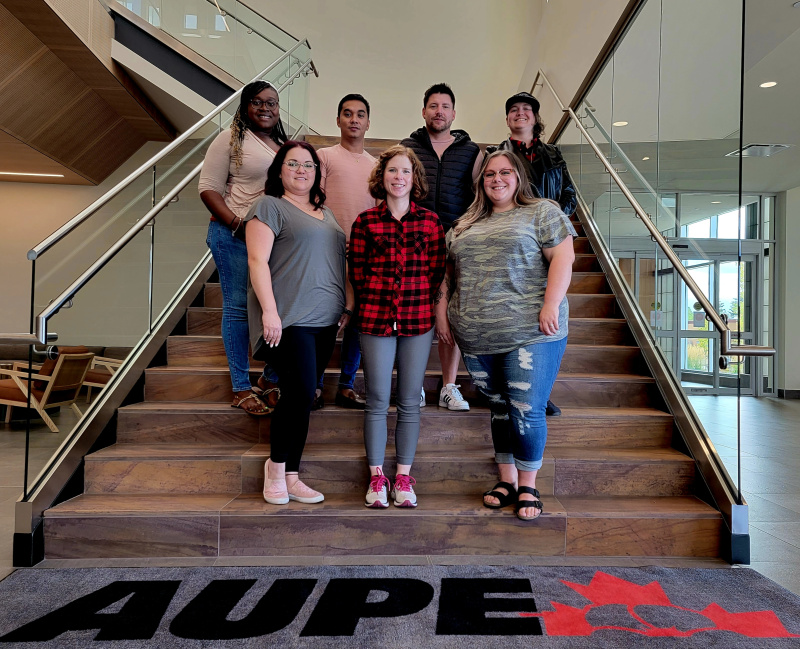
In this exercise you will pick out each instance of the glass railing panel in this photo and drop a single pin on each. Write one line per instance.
(68, 258)
(108, 316)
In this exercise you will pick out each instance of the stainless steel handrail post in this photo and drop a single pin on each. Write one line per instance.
(726, 349)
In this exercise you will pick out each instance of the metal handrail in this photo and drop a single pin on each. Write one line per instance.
(38, 250)
(54, 306)
(726, 349)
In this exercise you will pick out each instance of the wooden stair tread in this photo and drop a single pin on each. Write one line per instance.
(252, 504)
(201, 407)
(636, 506)
(613, 455)
(169, 451)
(217, 370)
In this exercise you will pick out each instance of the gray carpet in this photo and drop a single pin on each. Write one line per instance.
(436, 606)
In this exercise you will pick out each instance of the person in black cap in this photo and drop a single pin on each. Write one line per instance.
(546, 169)
(544, 166)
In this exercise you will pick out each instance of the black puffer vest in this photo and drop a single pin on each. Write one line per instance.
(450, 190)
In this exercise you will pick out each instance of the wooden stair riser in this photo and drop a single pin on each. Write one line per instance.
(245, 474)
(582, 282)
(591, 348)
(582, 393)
(670, 477)
(438, 426)
(582, 246)
(206, 321)
(586, 263)
(108, 537)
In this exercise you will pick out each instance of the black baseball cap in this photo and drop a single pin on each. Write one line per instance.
(525, 97)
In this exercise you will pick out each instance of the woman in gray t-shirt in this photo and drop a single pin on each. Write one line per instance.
(509, 266)
(296, 304)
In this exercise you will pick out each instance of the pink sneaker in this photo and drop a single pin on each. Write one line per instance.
(403, 491)
(376, 492)
(300, 492)
(275, 492)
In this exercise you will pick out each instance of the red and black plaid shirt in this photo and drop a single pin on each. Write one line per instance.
(395, 269)
(528, 152)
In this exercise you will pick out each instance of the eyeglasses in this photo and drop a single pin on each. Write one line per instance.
(294, 165)
(504, 173)
(258, 103)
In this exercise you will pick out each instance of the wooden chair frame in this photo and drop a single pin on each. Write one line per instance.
(55, 385)
(111, 364)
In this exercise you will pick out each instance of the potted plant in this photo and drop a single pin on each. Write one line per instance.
(698, 316)
(655, 314)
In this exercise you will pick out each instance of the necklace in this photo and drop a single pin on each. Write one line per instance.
(356, 156)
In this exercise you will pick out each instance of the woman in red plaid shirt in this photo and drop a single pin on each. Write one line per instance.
(397, 261)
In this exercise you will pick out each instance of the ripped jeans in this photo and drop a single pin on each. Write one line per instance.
(518, 385)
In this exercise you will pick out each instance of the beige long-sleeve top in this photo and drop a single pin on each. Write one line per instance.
(240, 187)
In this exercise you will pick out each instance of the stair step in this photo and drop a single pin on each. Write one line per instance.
(179, 383)
(582, 245)
(165, 422)
(207, 321)
(603, 351)
(582, 282)
(225, 525)
(585, 262)
(342, 468)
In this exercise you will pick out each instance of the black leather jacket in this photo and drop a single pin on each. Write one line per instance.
(548, 174)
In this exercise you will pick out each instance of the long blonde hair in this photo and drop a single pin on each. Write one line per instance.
(481, 207)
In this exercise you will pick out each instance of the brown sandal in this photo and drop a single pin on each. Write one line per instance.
(257, 407)
(271, 394)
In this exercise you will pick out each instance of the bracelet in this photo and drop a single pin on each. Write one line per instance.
(348, 312)
(241, 220)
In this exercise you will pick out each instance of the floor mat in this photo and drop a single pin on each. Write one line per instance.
(436, 606)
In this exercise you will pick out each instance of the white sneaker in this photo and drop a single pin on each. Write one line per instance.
(422, 403)
(377, 492)
(403, 491)
(450, 397)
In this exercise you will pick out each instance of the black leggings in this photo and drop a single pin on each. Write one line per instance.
(299, 359)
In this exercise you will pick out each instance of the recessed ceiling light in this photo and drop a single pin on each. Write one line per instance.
(620, 124)
(19, 173)
(647, 157)
(716, 202)
(768, 84)
(796, 5)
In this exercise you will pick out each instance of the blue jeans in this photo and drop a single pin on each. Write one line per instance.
(230, 256)
(349, 359)
(518, 385)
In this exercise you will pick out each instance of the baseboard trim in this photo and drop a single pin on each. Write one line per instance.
(788, 394)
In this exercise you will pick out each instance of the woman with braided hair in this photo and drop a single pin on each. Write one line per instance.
(233, 177)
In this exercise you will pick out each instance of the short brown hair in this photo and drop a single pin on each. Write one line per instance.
(376, 188)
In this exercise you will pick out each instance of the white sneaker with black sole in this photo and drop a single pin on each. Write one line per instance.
(422, 403)
(450, 397)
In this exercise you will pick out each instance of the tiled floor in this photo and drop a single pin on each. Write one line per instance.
(770, 480)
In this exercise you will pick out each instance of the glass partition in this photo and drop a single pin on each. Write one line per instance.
(665, 112)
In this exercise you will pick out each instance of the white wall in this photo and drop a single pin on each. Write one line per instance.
(570, 35)
(29, 213)
(392, 51)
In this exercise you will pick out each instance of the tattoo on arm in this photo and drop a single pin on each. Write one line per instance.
(440, 295)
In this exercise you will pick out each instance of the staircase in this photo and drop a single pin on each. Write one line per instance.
(185, 476)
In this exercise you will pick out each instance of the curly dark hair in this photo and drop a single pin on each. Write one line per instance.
(274, 185)
(375, 182)
(241, 122)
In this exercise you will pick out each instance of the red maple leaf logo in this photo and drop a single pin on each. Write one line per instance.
(605, 589)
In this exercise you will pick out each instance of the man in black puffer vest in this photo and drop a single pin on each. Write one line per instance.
(452, 162)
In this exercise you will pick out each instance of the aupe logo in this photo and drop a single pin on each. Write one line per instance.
(466, 606)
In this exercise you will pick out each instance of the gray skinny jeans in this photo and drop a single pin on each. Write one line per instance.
(378, 353)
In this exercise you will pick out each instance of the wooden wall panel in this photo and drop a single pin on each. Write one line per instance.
(63, 96)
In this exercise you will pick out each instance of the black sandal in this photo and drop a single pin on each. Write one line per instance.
(505, 499)
(522, 504)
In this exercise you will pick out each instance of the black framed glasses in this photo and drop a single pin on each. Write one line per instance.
(258, 103)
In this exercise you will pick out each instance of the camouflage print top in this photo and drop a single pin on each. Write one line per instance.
(501, 277)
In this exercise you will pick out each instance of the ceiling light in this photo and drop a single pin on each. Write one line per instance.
(647, 157)
(768, 84)
(20, 173)
(620, 124)
(715, 202)
(796, 5)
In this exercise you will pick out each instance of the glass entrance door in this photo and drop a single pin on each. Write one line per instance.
(730, 287)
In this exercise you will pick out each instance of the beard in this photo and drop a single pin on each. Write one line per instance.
(433, 127)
